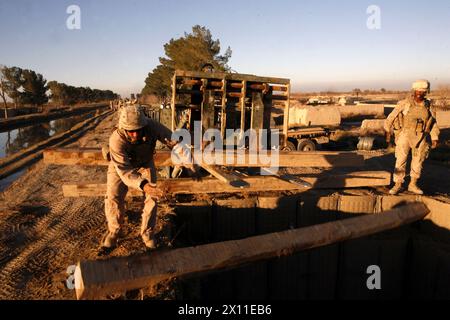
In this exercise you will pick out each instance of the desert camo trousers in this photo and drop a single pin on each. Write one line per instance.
(115, 204)
(405, 143)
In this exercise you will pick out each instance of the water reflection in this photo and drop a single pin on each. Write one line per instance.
(4, 183)
(15, 140)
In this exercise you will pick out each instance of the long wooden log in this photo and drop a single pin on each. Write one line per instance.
(320, 159)
(97, 278)
(255, 184)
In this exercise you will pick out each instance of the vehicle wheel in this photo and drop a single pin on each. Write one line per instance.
(306, 145)
(290, 146)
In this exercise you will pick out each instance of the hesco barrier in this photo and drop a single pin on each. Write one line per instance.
(414, 260)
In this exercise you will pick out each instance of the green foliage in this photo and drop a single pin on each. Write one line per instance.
(29, 87)
(34, 88)
(64, 94)
(189, 52)
(12, 82)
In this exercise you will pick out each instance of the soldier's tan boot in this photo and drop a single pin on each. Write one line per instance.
(414, 188)
(109, 240)
(396, 188)
(149, 240)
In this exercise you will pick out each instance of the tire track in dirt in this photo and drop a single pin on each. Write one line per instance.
(25, 205)
(62, 232)
(52, 230)
(42, 233)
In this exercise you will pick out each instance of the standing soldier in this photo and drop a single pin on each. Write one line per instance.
(131, 149)
(414, 123)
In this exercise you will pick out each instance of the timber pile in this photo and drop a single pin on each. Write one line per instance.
(232, 181)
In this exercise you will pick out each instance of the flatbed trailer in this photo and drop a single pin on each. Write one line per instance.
(308, 138)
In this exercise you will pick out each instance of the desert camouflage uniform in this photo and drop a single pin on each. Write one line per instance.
(131, 166)
(409, 120)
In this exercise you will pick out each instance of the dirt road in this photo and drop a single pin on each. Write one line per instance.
(42, 233)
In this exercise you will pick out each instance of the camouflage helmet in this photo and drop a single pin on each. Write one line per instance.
(207, 67)
(421, 85)
(132, 118)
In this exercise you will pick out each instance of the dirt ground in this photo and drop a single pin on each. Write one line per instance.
(42, 233)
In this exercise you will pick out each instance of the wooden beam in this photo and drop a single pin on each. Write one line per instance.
(229, 178)
(257, 112)
(286, 117)
(95, 279)
(223, 114)
(207, 108)
(289, 178)
(242, 109)
(173, 102)
(255, 184)
(320, 159)
(230, 76)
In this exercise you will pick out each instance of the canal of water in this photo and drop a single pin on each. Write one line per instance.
(18, 139)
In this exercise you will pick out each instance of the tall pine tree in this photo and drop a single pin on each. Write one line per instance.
(189, 52)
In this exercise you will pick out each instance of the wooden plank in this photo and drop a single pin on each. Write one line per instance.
(227, 177)
(207, 108)
(162, 158)
(286, 117)
(257, 113)
(97, 278)
(173, 102)
(223, 114)
(242, 109)
(256, 184)
(231, 76)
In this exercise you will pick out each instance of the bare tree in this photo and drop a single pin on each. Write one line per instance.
(3, 91)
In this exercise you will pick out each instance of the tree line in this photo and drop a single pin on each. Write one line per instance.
(26, 87)
(62, 93)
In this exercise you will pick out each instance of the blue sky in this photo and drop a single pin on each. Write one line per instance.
(319, 45)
